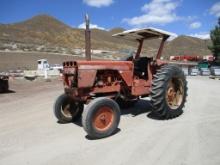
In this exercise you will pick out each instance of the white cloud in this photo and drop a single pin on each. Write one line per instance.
(92, 26)
(155, 12)
(202, 35)
(189, 18)
(98, 3)
(215, 9)
(172, 37)
(195, 25)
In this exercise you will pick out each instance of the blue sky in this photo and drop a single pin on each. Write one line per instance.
(188, 17)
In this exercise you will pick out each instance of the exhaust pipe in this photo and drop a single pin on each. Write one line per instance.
(87, 39)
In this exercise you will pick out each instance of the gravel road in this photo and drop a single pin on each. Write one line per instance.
(31, 135)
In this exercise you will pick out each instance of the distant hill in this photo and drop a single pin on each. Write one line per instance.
(47, 30)
(187, 45)
(42, 30)
(116, 30)
(45, 33)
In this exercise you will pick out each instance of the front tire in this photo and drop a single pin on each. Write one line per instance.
(101, 117)
(169, 91)
(66, 110)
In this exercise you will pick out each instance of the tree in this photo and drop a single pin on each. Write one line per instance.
(215, 37)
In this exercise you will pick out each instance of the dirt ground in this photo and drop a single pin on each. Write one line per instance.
(28, 60)
(30, 133)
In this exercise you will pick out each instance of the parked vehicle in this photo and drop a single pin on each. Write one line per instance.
(194, 71)
(203, 64)
(105, 85)
(43, 64)
(185, 71)
(204, 71)
(56, 66)
(215, 70)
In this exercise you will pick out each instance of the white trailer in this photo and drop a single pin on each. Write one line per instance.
(42, 64)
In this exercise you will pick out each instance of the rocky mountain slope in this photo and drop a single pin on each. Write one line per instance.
(45, 33)
(188, 45)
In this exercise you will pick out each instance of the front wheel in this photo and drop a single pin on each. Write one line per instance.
(169, 91)
(101, 117)
(67, 110)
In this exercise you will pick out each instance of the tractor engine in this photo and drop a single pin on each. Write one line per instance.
(106, 78)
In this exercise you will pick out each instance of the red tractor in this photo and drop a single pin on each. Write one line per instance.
(103, 85)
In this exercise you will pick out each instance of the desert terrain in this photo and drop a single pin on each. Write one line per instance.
(30, 134)
(28, 60)
(44, 33)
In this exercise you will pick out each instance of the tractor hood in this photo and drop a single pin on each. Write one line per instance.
(98, 64)
(85, 72)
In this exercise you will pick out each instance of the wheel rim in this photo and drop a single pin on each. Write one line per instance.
(103, 118)
(69, 110)
(175, 93)
(66, 111)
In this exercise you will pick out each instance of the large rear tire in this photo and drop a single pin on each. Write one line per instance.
(101, 117)
(67, 110)
(169, 91)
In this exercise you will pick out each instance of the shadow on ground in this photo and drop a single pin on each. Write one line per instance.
(141, 107)
(92, 138)
(7, 92)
